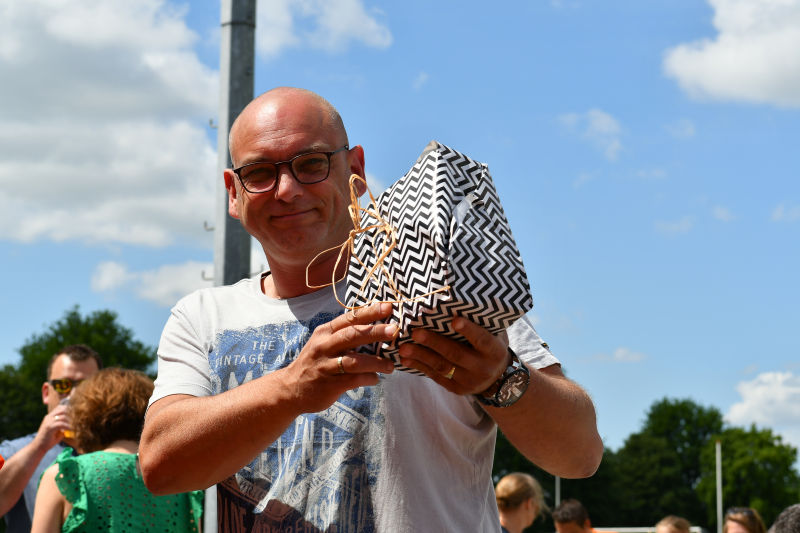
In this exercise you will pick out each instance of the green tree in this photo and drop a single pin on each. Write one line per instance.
(659, 467)
(21, 408)
(757, 471)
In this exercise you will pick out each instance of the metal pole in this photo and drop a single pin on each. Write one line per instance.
(236, 65)
(719, 486)
(231, 241)
(558, 491)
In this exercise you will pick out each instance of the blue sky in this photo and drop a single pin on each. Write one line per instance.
(645, 153)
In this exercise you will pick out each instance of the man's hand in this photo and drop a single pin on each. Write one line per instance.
(458, 367)
(182, 432)
(327, 366)
(51, 430)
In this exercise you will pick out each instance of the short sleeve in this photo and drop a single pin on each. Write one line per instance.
(69, 483)
(527, 344)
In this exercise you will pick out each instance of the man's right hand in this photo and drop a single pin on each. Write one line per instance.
(193, 442)
(316, 378)
(51, 430)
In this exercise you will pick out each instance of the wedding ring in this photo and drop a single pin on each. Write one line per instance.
(56, 417)
(341, 366)
(449, 375)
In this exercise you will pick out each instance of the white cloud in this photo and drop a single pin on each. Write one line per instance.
(622, 355)
(783, 213)
(103, 135)
(753, 57)
(420, 80)
(328, 25)
(598, 127)
(771, 399)
(582, 179)
(723, 214)
(682, 129)
(652, 174)
(675, 227)
(163, 286)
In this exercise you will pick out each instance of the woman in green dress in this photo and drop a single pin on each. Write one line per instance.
(101, 489)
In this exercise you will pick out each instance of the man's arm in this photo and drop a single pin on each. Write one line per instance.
(553, 424)
(20, 467)
(190, 443)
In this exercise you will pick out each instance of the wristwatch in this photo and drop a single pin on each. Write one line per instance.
(509, 387)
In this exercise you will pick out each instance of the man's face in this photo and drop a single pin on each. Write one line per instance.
(572, 527)
(293, 222)
(65, 367)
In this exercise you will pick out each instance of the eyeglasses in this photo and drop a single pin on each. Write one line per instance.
(65, 385)
(308, 168)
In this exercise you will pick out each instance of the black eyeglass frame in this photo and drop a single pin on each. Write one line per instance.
(71, 384)
(289, 162)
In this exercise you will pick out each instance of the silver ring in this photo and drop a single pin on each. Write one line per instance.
(341, 366)
(449, 375)
(56, 417)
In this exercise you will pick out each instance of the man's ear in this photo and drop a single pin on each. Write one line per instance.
(45, 392)
(587, 524)
(355, 159)
(233, 194)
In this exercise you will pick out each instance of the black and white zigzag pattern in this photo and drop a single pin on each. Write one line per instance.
(451, 230)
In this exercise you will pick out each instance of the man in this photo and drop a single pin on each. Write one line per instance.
(570, 516)
(27, 457)
(260, 391)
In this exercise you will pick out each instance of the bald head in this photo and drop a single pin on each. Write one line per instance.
(281, 106)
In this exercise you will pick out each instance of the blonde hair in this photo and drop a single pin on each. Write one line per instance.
(515, 488)
(675, 522)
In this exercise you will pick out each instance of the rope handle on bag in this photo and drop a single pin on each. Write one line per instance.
(386, 234)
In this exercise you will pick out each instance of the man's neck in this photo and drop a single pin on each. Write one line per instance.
(290, 281)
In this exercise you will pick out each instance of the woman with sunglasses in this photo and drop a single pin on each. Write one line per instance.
(743, 520)
(102, 489)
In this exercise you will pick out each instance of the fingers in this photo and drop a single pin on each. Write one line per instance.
(462, 368)
(357, 363)
(347, 332)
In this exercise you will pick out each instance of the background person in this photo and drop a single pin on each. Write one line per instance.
(101, 489)
(673, 524)
(743, 520)
(788, 521)
(28, 456)
(263, 376)
(520, 500)
(570, 516)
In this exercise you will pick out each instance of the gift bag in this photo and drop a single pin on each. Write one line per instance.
(452, 252)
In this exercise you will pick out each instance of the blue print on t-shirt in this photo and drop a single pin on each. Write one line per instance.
(317, 474)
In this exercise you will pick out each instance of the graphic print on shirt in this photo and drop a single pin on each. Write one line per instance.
(317, 475)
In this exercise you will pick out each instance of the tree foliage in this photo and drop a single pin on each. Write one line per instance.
(21, 408)
(668, 467)
(660, 465)
(757, 471)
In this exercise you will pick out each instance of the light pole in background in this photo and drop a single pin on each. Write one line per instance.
(231, 241)
(236, 66)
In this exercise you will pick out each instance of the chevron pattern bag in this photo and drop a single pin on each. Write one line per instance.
(452, 251)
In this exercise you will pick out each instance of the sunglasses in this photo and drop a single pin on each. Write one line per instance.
(747, 511)
(65, 385)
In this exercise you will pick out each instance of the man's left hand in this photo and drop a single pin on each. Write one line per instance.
(462, 368)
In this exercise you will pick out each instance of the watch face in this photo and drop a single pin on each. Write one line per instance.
(513, 387)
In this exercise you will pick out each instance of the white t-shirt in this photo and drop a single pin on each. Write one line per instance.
(404, 455)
